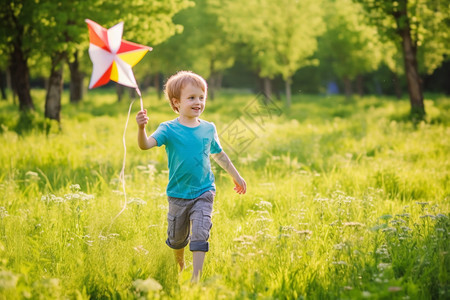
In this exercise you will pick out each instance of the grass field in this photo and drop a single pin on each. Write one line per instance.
(347, 199)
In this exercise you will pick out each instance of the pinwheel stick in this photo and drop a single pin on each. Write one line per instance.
(140, 97)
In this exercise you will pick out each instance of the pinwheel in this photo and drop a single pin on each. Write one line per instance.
(112, 57)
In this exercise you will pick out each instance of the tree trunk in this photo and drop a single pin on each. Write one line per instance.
(132, 92)
(267, 88)
(219, 80)
(214, 84)
(348, 87)
(54, 90)
(3, 84)
(360, 85)
(76, 80)
(157, 83)
(288, 92)
(20, 77)
(8, 79)
(397, 86)
(410, 59)
(413, 78)
(119, 92)
(211, 89)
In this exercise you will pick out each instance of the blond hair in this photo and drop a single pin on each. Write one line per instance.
(177, 82)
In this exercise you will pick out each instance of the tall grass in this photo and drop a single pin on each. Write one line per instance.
(346, 199)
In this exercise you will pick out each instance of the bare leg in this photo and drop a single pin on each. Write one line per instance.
(198, 257)
(179, 257)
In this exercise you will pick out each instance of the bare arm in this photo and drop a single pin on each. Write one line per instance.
(224, 161)
(144, 142)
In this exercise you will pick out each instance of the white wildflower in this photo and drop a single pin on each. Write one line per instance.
(8, 280)
(397, 221)
(366, 294)
(75, 187)
(264, 205)
(117, 192)
(287, 228)
(404, 215)
(52, 198)
(263, 219)
(147, 285)
(427, 216)
(353, 224)
(383, 266)
(304, 232)
(141, 249)
(341, 263)
(389, 229)
(32, 176)
(137, 201)
(3, 212)
(245, 239)
(339, 246)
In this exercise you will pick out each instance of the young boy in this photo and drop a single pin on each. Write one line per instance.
(189, 142)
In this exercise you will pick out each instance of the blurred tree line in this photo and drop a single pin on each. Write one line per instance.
(278, 47)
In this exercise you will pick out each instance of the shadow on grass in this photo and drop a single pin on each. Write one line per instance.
(29, 122)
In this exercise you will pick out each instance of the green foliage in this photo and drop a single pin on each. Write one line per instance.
(351, 45)
(205, 47)
(281, 39)
(346, 199)
(148, 23)
(429, 22)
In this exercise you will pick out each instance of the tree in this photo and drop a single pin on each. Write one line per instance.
(412, 25)
(56, 29)
(3, 74)
(350, 45)
(59, 36)
(205, 47)
(17, 38)
(281, 36)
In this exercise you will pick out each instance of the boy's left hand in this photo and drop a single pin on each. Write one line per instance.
(240, 185)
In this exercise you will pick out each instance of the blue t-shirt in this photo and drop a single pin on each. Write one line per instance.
(188, 150)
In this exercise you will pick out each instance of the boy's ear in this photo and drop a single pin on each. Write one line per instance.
(175, 101)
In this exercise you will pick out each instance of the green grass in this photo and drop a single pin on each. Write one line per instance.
(347, 199)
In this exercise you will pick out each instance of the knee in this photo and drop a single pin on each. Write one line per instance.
(201, 226)
(177, 232)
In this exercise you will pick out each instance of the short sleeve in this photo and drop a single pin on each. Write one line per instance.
(160, 134)
(215, 144)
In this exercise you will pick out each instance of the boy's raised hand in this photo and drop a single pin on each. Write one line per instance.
(240, 185)
(142, 118)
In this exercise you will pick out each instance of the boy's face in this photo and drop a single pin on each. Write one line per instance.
(192, 101)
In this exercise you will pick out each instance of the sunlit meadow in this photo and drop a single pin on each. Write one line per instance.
(347, 198)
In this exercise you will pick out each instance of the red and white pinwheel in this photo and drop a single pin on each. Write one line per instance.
(113, 57)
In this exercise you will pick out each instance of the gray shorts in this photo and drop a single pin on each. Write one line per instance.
(184, 211)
